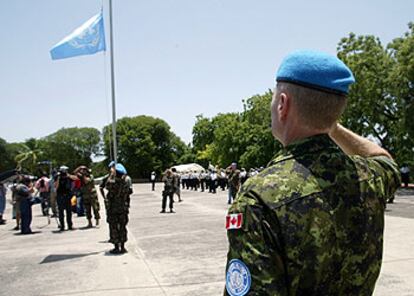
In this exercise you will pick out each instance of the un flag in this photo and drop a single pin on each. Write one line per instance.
(87, 39)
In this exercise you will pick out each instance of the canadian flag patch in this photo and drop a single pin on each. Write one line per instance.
(234, 221)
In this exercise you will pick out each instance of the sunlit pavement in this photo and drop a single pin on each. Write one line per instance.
(182, 253)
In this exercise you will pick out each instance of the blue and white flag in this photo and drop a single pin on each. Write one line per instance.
(87, 39)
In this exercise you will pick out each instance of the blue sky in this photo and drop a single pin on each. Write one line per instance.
(174, 59)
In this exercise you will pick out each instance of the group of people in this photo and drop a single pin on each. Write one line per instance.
(230, 178)
(61, 194)
(66, 192)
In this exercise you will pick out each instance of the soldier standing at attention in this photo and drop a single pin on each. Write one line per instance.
(118, 208)
(312, 222)
(168, 191)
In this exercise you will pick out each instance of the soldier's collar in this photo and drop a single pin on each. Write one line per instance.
(308, 145)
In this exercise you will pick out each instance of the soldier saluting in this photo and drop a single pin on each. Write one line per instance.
(117, 207)
(312, 222)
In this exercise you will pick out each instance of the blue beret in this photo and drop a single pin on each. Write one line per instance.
(111, 164)
(120, 169)
(315, 69)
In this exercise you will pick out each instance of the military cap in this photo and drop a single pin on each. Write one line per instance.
(120, 169)
(317, 70)
(111, 164)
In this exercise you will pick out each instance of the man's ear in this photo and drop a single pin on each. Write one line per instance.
(283, 106)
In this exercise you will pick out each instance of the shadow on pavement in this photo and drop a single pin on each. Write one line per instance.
(55, 258)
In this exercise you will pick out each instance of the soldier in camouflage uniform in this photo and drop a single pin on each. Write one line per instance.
(89, 197)
(312, 222)
(118, 208)
(168, 191)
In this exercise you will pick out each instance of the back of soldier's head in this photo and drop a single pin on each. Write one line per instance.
(316, 109)
(317, 84)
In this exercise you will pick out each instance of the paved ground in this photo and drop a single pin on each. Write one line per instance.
(169, 254)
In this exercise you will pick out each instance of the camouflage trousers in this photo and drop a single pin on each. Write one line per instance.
(117, 228)
(91, 204)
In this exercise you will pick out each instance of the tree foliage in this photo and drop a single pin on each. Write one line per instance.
(242, 137)
(380, 103)
(68, 146)
(145, 144)
(7, 155)
(72, 146)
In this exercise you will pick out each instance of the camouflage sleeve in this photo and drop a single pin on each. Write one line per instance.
(103, 182)
(110, 183)
(387, 174)
(255, 260)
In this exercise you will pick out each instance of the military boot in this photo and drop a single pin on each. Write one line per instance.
(123, 250)
(89, 223)
(115, 250)
(97, 222)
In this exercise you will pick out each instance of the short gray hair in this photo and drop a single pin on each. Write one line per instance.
(316, 109)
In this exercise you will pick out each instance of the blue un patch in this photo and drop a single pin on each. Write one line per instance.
(238, 278)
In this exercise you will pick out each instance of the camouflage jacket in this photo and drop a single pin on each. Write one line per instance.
(117, 199)
(234, 180)
(88, 190)
(168, 183)
(312, 223)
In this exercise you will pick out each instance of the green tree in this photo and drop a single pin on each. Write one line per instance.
(71, 146)
(203, 133)
(244, 137)
(380, 103)
(262, 146)
(401, 81)
(229, 140)
(371, 110)
(145, 144)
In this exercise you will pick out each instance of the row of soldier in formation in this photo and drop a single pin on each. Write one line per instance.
(65, 192)
(230, 178)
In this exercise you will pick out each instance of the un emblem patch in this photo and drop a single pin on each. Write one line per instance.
(238, 278)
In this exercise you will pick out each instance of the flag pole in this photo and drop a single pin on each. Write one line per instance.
(112, 83)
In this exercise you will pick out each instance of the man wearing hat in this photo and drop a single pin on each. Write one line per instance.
(312, 222)
(118, 207)
(63, 185)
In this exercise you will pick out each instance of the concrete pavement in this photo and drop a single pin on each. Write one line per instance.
(169, 254)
